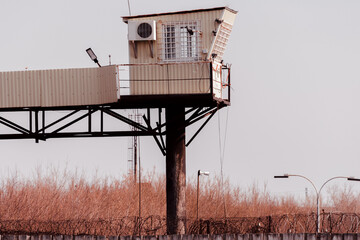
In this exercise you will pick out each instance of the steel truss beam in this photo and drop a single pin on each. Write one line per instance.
(39, 129)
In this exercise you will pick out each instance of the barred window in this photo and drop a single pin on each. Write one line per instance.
(181, 41)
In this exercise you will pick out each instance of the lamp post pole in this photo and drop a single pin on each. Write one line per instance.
(197, 192)
(317, 192)
(197, 196)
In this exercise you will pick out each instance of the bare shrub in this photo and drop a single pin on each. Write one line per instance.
(64, 202)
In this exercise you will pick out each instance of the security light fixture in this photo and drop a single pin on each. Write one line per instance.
(353, 179)
(189, 30)
(197, 192)
(219, 21)
(93, 56)
(203, 173)
(282, 176)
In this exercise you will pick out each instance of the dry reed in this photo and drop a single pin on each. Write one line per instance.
(59, 196)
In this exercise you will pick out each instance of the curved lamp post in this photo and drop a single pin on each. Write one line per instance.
(197, 193)
(317, 192)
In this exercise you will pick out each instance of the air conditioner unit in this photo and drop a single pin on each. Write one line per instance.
(142, 30)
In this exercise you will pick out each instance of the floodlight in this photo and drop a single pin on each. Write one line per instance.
(189, 30)
(92, 55)
(199, 173)
(203, 173)
(282, 176)
(353, 179)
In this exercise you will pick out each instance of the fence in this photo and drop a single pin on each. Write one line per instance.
(262, 236)
(155, 225)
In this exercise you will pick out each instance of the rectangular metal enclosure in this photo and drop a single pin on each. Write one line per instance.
(185, 56)
(60, 87)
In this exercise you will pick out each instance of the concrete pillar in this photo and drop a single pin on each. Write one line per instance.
(175, 170)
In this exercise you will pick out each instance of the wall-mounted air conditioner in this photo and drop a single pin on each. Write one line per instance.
(142, 30)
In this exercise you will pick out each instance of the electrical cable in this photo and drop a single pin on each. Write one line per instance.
(222, 156)
(139, 185)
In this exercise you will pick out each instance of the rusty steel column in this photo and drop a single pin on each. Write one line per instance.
(175, 170)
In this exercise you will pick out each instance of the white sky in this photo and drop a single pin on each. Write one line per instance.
(295, 78)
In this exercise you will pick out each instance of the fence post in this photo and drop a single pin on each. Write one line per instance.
(269, 224)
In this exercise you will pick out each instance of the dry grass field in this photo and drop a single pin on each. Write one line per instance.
(64, 196)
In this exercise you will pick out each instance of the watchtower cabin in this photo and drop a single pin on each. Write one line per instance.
(180, 54)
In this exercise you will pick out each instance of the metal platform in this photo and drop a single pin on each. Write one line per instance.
(39, 128)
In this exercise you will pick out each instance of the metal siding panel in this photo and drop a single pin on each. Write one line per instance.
(17, 90)
(146, 84)
(83, 86)
(2, 92)
(61, 87)
(179, 78)
(107, 87)
(91, 79)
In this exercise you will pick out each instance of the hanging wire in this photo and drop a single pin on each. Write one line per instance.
(139, 187)
(222, 156)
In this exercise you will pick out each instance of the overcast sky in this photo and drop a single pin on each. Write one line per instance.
(295, 79)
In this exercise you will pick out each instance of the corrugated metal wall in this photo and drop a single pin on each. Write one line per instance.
(20, 89)
(177, 78)
(61, 87)
(206, 19)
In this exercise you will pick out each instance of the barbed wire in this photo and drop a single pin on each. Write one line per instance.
(156, 225)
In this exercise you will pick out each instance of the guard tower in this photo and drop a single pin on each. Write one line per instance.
(178, 57)
(175, 64)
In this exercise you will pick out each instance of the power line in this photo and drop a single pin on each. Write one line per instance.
(222, 156)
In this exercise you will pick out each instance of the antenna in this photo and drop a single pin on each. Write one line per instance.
(133, 148)
(129, 7)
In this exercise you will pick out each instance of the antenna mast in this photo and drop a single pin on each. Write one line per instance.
(129, 7)
(133, 145)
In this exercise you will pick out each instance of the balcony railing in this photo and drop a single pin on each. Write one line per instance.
(175, 78)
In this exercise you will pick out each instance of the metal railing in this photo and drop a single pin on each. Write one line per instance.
(174, 78)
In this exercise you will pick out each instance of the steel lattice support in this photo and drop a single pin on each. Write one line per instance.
(40, 128)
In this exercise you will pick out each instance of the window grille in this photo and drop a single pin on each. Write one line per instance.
(181, 42)
(222, 39)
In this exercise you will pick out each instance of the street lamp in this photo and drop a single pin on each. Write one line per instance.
(92, 55)
(197, 194)
(317, 192)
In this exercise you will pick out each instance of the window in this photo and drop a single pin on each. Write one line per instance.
(181, 41)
